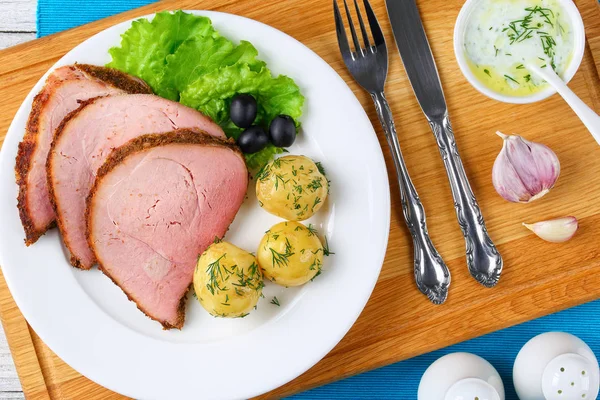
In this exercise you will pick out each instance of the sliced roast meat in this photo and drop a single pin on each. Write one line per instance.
(156, 204)
(64, 89)
(84, 140)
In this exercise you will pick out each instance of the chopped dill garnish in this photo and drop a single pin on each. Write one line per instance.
(215, 272)
(264, 173)
(251, 280)
(511, 78)
(275, 301)
(317, 274)
(282, 259)
(320, 168)
(226, 300)
(277, 162)
(317, 201)
(315, 264)
(520, 66)
(487, 72)
(326, 251)
(288, 246)
(530, 26)
(311, 230)
(278, 178)
(315, 184)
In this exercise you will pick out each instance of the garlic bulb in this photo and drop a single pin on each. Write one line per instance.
(524, 170)
(555, 230)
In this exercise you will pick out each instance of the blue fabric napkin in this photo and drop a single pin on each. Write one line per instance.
(58, 15)
(398, 381)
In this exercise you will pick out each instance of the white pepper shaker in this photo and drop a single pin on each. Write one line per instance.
(556, 366)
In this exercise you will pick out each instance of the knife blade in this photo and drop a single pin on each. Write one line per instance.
(416, 55)
(483, 259)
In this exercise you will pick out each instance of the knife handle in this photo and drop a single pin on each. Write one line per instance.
(484, 262)
(431, 273)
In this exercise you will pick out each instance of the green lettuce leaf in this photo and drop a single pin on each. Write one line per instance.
(145, 46)
(212, 93)
(183, 58)
(256, 161)
(198, 56)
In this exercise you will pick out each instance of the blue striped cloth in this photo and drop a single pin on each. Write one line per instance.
(401, 380)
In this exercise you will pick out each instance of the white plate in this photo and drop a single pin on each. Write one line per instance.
(88, 322)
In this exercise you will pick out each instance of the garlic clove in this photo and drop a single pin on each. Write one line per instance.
(555, 230)
(524, 171)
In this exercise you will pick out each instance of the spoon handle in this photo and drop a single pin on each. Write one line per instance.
(484, 262)
(590, 119)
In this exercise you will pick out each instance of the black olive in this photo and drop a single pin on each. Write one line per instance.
(253, 139)
(243, 110)
(282, 131)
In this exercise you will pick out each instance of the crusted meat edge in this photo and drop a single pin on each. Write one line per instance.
(119, 79)
(117, 156)
(50, 174)
(28, 145)
(23, 163)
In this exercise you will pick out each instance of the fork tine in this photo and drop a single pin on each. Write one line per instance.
(341, 32)
(375, 28)
(352, 30)
(362, 26)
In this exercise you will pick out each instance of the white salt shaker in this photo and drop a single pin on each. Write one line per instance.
(461, 376)
(556, 366)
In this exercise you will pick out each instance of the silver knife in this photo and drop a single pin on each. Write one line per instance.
(484, 262)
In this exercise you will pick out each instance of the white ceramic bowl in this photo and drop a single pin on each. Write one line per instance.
(578, 42)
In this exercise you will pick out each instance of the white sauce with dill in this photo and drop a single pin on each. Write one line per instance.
(503, 36)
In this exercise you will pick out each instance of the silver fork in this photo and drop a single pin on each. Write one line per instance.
(368, 65)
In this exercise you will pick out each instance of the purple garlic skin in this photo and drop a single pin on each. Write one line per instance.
(524, 171)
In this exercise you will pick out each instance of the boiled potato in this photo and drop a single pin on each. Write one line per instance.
(227, 280)
(290, 254)
(292, 187)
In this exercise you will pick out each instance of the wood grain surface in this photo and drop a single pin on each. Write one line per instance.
(398, 322)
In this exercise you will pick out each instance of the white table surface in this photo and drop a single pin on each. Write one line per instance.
(17, 25)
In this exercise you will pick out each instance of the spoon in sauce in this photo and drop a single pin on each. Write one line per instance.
(590, 119)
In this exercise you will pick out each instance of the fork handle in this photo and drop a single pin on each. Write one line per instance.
(484, 262)
(431, 273)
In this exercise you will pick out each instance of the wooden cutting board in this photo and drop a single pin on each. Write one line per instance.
(398, 322)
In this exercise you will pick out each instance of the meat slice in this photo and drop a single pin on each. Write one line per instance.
(64, 89)
(156, 204)
(85, 139)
